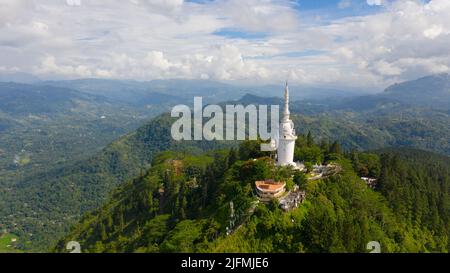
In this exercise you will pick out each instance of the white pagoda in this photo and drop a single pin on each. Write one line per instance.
(287, 137)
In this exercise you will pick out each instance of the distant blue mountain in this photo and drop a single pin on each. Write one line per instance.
(183, 91)
(19, 77)
(431, 91)
(24, 99)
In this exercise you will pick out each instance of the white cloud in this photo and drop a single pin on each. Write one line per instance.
(7, 70)
(74, 2)
(386, 69)
(374, 2)
(156, 39)
(163, 6)
(10, 9)
(433, 32)
(49, 66)
(257, 15)
(156, 59)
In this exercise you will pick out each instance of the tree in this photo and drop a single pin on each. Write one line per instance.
(232, 156)
(254, 170)
(121, 219)
(283, 173)
(103, 234)
(335, 148)
(324, 145)
(367, 164)
(309, 154)
(300, 180)
(98, 248)
(251, 149)
(182, 202)
(110, 224)
(309, 140)
(182, 237)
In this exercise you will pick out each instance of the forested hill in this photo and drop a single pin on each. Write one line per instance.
(182, 204)
(47, 203)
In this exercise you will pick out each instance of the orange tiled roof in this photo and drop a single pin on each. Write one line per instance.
(269, 186)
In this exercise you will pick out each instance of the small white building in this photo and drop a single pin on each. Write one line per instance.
(370, 182)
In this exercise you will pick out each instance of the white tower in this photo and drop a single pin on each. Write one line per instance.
(286, 145)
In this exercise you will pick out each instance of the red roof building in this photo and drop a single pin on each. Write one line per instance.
(269, 189)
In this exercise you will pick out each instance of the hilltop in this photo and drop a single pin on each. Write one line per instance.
(182, 204)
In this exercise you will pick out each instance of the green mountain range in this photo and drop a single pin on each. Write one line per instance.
(41, 204)
(43, 127)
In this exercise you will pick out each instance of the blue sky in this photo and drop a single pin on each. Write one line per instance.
(332, 9)
(339, 43)
(318, 12)
(325, 4)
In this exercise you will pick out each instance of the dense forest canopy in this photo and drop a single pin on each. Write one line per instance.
(182, 204)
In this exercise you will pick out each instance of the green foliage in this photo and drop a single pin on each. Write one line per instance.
(366, 164)
(7, 243)
(306, 150)
(335, 148)
(183, 237)
(416, 185)
(253, 170)
(300, 180)
(283, 173)
(308, 166)
(251, 149)
(53, 167)
(165, 211)
(54, 200)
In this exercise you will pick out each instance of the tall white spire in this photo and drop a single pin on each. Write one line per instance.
(286, 113)
(286, 145)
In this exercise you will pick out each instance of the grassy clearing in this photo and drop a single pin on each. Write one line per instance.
(6, 243)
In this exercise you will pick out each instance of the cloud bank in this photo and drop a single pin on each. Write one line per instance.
(252, 41)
